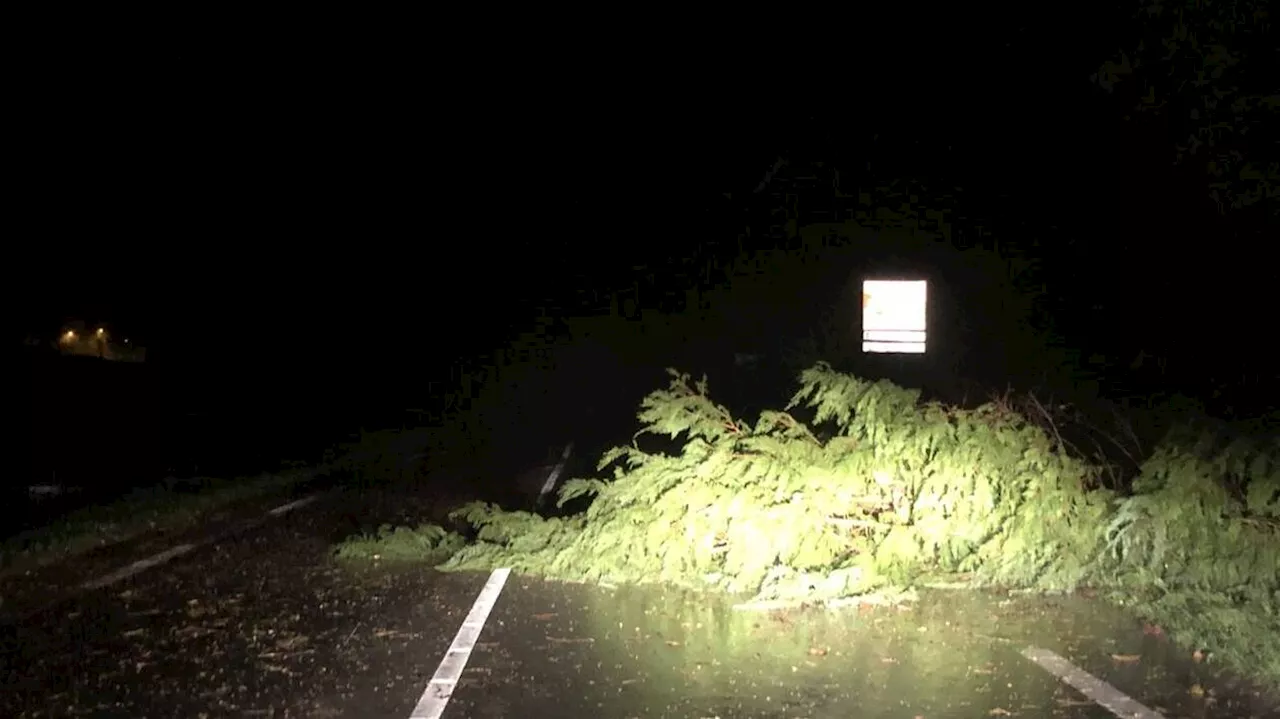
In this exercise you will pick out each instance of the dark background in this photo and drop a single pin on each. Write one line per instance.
(312, 231)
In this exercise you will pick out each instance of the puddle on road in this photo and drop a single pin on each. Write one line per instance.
(650, 651)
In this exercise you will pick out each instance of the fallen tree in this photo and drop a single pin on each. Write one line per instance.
(903, 493)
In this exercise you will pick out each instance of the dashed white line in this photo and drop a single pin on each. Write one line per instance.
(293, 505)
(161, 557)
(436, 696)
(1102, 693)
(139, 566)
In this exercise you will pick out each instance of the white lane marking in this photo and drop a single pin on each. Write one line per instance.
(161, 557)
(1102, 693)
(139, 566)
(436, 696)
(293, 505)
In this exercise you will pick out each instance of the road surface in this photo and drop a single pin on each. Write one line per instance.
(263, 622)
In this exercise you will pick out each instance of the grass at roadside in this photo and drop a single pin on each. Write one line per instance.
(139, 512)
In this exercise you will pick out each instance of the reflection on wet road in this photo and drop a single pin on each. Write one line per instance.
(563, 650)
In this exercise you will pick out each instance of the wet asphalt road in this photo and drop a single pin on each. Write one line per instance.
(266, 624)
(562, 650)
(263, 624)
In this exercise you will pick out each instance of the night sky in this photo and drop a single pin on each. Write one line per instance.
(389, 206)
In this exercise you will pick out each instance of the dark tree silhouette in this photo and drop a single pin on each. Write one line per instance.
(1205, 74)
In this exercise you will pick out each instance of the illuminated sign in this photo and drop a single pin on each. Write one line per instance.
(893, 316)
